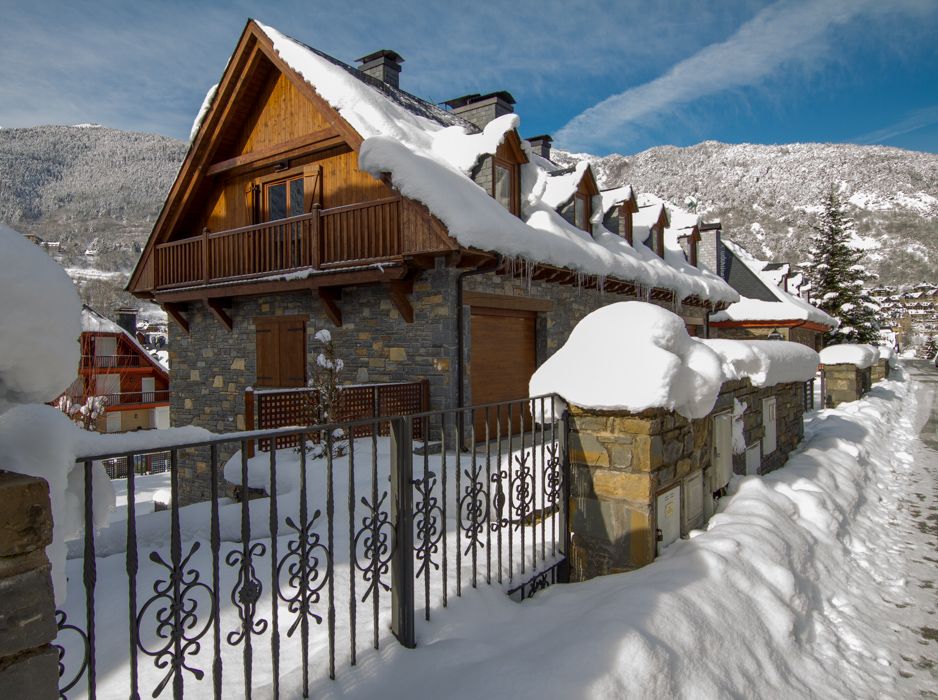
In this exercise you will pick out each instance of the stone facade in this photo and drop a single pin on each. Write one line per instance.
(28, 662)
(845, 382)
(212, 366)
(811, 339)
(621, 462)
(879, 371)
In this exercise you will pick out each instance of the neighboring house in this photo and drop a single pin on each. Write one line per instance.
(114, 365)
(767, 307)
(435, 244)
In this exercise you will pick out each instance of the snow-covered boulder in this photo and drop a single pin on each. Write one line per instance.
(40, 324)
(862, 356)
(765, 362)
(632, 356)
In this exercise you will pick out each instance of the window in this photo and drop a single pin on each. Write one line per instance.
(505, 186)
(281, 351)
(283, 199)
(581, 212)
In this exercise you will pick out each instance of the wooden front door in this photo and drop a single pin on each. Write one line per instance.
(502, 360)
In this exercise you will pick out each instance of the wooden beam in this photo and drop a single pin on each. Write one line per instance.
(400, 291)
(300, 146)
(215, 305)
(175, 312)
(329, 296)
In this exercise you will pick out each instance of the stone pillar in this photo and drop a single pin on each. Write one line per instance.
(843, 383)
(619, 463)
(879, 371)
(28, 662)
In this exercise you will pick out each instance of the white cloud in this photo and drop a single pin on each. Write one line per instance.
(913, 121)
(786, 33)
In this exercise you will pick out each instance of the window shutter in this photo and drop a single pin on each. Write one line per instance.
(293, 353)
(252, 202)
(267, 362)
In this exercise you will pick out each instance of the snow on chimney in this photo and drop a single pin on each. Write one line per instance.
(385, 65)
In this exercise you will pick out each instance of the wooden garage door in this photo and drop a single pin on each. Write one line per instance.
(502, 360)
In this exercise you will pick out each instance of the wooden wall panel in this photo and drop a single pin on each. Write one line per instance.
(281, 114)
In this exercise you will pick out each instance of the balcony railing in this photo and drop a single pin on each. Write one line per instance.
(325, 238)
(111, 361)
(127, 398)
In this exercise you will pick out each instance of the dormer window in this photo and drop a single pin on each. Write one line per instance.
(505, 189)
(581, 212)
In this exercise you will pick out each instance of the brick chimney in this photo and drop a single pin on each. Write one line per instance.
(127, 319)
(709, 251)
(541, 145)
(385, 65)
(481, 109)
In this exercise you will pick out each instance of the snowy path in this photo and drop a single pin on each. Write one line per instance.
(814, 581)
(919, 527)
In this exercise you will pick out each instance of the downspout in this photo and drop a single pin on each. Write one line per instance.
(460, 339)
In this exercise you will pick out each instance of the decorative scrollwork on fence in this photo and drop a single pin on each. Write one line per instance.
(522, 491)
(474, 508)
(176, 603)
(553, 477)
(373, 542)
(308, 566)
(428, 514)
(499, 500)
(246, 592)
(62, 624)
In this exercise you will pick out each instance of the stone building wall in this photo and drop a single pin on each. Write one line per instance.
(845, 382)
(811, 339)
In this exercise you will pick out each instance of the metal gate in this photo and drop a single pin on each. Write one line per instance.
(348, 539)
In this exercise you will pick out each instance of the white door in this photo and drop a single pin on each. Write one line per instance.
(693, 500)
(769, 441)
(668, 515)
(722, 449)
(105, 346)
(753, 458)
(108, 385)
(148, 388)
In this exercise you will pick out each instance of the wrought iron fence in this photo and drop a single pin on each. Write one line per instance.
(151, 463)
(353, 537)
(808, 400)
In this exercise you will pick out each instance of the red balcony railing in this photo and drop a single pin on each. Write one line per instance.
(111, 361)
(323, 238)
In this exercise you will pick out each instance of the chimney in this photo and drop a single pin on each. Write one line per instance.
(127, 319)
(541, 145)
(481, 109)
(709, 253)
(384, 65)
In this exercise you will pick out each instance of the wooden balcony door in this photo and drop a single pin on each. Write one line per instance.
(284, 199)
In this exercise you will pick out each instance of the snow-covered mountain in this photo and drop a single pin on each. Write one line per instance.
(767, 195)
(96, 191)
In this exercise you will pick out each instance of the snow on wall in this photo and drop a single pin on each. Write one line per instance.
(862, 356)
(40, 322)
(632, 356)
(765, 362)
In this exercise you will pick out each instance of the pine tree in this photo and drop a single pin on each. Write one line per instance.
(837, 277)
(930, 349)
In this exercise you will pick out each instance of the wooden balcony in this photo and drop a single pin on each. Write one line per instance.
(324, 239)
(105, 362)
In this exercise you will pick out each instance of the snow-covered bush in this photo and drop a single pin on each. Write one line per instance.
(86, 414)
(325, 380)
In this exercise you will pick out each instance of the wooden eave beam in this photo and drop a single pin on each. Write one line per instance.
(330, 297)
(308, 144)
(175, 312)
(217, 308)
(400, 291)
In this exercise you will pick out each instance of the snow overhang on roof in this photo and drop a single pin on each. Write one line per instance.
(430, 162)
(786, 307)
(607, 199)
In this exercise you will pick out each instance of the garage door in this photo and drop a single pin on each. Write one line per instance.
(502, 360)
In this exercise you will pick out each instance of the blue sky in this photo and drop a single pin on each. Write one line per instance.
(600, 76)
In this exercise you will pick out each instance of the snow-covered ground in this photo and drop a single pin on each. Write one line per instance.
(800, 586)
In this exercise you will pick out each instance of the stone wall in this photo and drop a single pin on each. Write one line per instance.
(212, 366)
(618, 463)
(844, 382)
(621, 462)
(28, 662)
(879, 371)
(811, 339)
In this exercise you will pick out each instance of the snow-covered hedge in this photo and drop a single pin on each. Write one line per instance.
(632, 356)
(862, 356)
(765, 362)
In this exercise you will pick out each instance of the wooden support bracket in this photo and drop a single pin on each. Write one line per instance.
(175, 311)
(400, 291)
(330, 296)
(215, 305)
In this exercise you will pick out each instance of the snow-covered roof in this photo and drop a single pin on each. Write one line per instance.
(429, 159)
(614, 197)
(93, 322)
(786, 307)
(562, 184)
